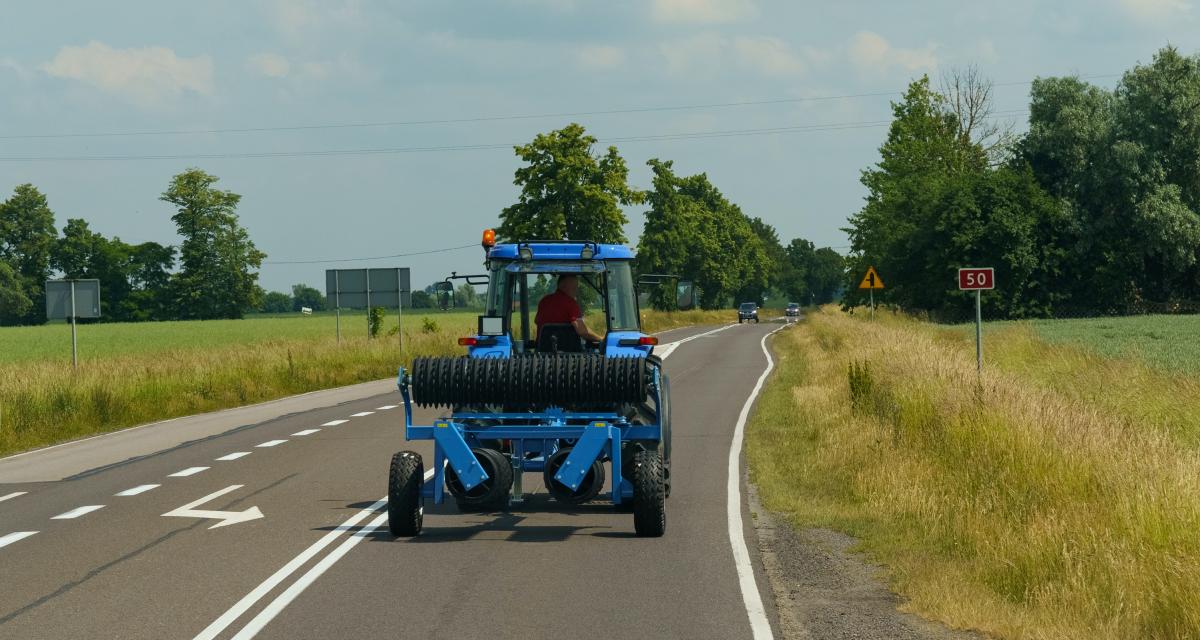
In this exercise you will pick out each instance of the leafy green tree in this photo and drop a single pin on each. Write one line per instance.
(276, 302)
(14, 303)
(567, 192)
(826, 276)
(83, 253)
(26, 240)
(465, 296)
(219, 277)
(306, 296)
(422, 300)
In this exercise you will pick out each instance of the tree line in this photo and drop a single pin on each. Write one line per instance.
(691, 228)
(1094, 210)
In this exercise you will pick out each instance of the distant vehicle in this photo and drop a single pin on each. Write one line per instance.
(793, 310)
(748, 311)
(306, 311)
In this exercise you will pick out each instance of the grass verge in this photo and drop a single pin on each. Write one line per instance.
(1058, 497)
(183, 368)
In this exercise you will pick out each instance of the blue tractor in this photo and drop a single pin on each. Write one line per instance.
(550, 403)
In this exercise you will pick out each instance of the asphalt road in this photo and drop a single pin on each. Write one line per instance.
(129, 550)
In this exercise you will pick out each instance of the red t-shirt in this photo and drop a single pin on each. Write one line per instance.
(557, 308)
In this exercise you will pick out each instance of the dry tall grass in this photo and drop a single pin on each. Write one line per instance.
(1058, 497)
(44, 402)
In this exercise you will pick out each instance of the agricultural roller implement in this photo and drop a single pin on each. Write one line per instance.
(592, 418)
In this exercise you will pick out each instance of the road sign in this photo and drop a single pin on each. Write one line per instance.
(71, 299)
(366, 288)
(976, 278)
(871, 280)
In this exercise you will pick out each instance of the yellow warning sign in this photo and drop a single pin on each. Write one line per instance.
(871, 280)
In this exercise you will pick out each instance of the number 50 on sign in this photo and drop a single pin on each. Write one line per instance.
(976, 278)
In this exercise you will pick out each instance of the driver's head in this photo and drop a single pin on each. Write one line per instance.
(568, 283)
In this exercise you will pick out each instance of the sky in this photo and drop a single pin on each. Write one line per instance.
(423, 101)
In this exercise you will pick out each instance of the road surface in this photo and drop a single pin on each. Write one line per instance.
(273, 527)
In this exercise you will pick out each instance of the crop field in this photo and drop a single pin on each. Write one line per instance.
(1169, 342)
(135, 373)
(1055, 496)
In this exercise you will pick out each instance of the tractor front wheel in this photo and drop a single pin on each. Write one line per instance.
(649, 495)
(406, 513)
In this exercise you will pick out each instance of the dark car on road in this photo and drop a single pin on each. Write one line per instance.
(793, 310)
(747, 311)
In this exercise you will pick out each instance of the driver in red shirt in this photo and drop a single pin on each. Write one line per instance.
(560, 307)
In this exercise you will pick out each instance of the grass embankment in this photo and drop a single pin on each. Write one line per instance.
(131, 374)
(1060, 498)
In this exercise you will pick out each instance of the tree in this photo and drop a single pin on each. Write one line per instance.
(14, 303)
(306, 296)
(465, 296)
(568, 193)
(219, 277)
(776, 260)
(26, 239)
(276, 302)
(422, 300)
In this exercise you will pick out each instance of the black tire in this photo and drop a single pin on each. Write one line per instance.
(406, 511)
(649, 495)
(491, 493)
(592, 483)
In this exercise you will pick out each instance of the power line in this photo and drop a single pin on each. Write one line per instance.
(692, 135)
(477, 119)
(396, 255)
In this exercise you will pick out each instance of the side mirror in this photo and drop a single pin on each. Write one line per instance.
(685, 295)
(445, 295)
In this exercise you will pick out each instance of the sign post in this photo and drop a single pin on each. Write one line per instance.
(977, 279)
(72, 299)
(871, 282)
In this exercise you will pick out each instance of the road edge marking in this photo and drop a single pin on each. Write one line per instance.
(751, 597)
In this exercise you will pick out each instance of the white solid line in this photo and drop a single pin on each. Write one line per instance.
(190, 471)
(233, 456)
(334, 423)
(270, 443)
(759, 624)
(78, 511)
(250, 599)
(670, 347)
(138, 489)
(361, 414)
(306, 432)
(386, 407)
(15, 494)
(280, 603)
(13, 537)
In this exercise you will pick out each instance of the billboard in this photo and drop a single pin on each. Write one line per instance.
(353, 288)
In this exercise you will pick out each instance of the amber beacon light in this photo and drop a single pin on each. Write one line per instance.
(489, 238)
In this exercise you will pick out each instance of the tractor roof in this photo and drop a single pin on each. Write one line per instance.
(561, 250)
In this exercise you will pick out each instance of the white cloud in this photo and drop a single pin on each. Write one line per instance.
(771, 56)
(1157, 11)
(701, 51)
(146, 76)
(872, 52)
(271, 65)
(765, 55)
(296, 18)
(703, 11)
(16, 67)
(600, 57)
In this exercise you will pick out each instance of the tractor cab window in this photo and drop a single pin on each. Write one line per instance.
(622, 298)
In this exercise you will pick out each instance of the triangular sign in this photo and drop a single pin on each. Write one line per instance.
(871, 280)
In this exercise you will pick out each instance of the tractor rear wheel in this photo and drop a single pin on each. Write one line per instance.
(592, 483)
(489, 494)
(406, 513)
(649, 495)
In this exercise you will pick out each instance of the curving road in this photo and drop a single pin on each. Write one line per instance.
(268, 522)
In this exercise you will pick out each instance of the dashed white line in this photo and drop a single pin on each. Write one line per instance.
(13, 537)
(138, 489)
(361, 414)
(306, 432)
(15, 494)
(78, 511)
(233, 456)
(270, 443)
(386, 407)
(190, 471)
(334, 423)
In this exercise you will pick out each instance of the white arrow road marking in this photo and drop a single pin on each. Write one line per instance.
(670, 347)
(334, 423)
(361, 414)
(270, 443)
(15, 494)
(226, 518)
(138, 489)
(386, 407)
(190, 471)
(306, 432)
(233, 456)
(78, 511)
(13, 537)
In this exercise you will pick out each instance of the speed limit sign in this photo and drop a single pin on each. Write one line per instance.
(976, 278)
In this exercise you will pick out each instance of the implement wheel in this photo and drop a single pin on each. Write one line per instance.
(649, 495)
(592, 483)
(406, 513)
(489, 494)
